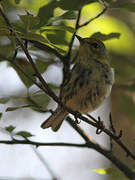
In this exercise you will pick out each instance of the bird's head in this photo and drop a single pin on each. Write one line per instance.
(94, 48)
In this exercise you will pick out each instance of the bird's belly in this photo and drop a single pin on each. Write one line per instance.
(89, 98)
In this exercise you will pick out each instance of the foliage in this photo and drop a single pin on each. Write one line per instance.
(47, 28)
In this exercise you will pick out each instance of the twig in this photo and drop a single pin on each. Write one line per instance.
(89, 144)
(43, 161)
(114, 137)
(26, 142)
(92, 144)
(73, 37)
(92, 19)
(67, 58)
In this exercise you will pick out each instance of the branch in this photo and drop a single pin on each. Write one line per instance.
(92, 144)
(73, 37)
(67, 58)
(89, 143)
(44, 162)
(28, 142)
(89, 21)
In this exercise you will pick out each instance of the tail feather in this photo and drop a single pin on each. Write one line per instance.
(55, 120)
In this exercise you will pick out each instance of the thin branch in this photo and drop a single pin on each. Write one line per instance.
(109, 133)
(92, 19)
(92, 144)
(44, 162)
(73, 37)
(67, 58)
(28, 142)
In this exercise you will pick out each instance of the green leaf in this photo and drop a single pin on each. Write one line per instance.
(4, 31)
(3, 23)
(42, 66)
(11, 109)
(4, 100)
(128, 6)
(10, 128)
(57, 28)
(104, 37)
(69, 15)
(39, 102)
(16, 108)
(0, 115)
(46, 12)
(24, 134)
(7, 48)
(33, 36)
(29, 21)
(17, 1)
(27, 68)
(73, 4)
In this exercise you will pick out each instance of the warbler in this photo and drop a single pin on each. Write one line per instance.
(90, 84)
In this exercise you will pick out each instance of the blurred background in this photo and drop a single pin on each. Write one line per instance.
(52, 23)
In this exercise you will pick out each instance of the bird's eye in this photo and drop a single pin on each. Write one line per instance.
(95, 45)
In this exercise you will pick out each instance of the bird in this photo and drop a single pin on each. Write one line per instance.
(90, 82)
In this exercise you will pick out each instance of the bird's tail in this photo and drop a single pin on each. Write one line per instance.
(55, 120)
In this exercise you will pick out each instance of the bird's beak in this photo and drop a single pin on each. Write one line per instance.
(79, 38)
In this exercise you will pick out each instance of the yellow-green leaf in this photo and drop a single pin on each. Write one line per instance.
(24, 134)
(10, 128)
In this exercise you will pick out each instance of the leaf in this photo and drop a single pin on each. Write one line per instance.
(100, 171)
(7, 48)
(57, 28)
(104, 37)
(4, 31)
(3, 23)
(24, 134)
(17, 1)
(73, 4)
(46, 12)
(58, 39)
(0, 115)
(29, 21)
(10, 128)
(33, 36)
(4, 100)
(69, 15)
(16, 108)
(39, 102)
(128, 6)
(42, 66)
(112, 173)
(27, 68)
(11, 109)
